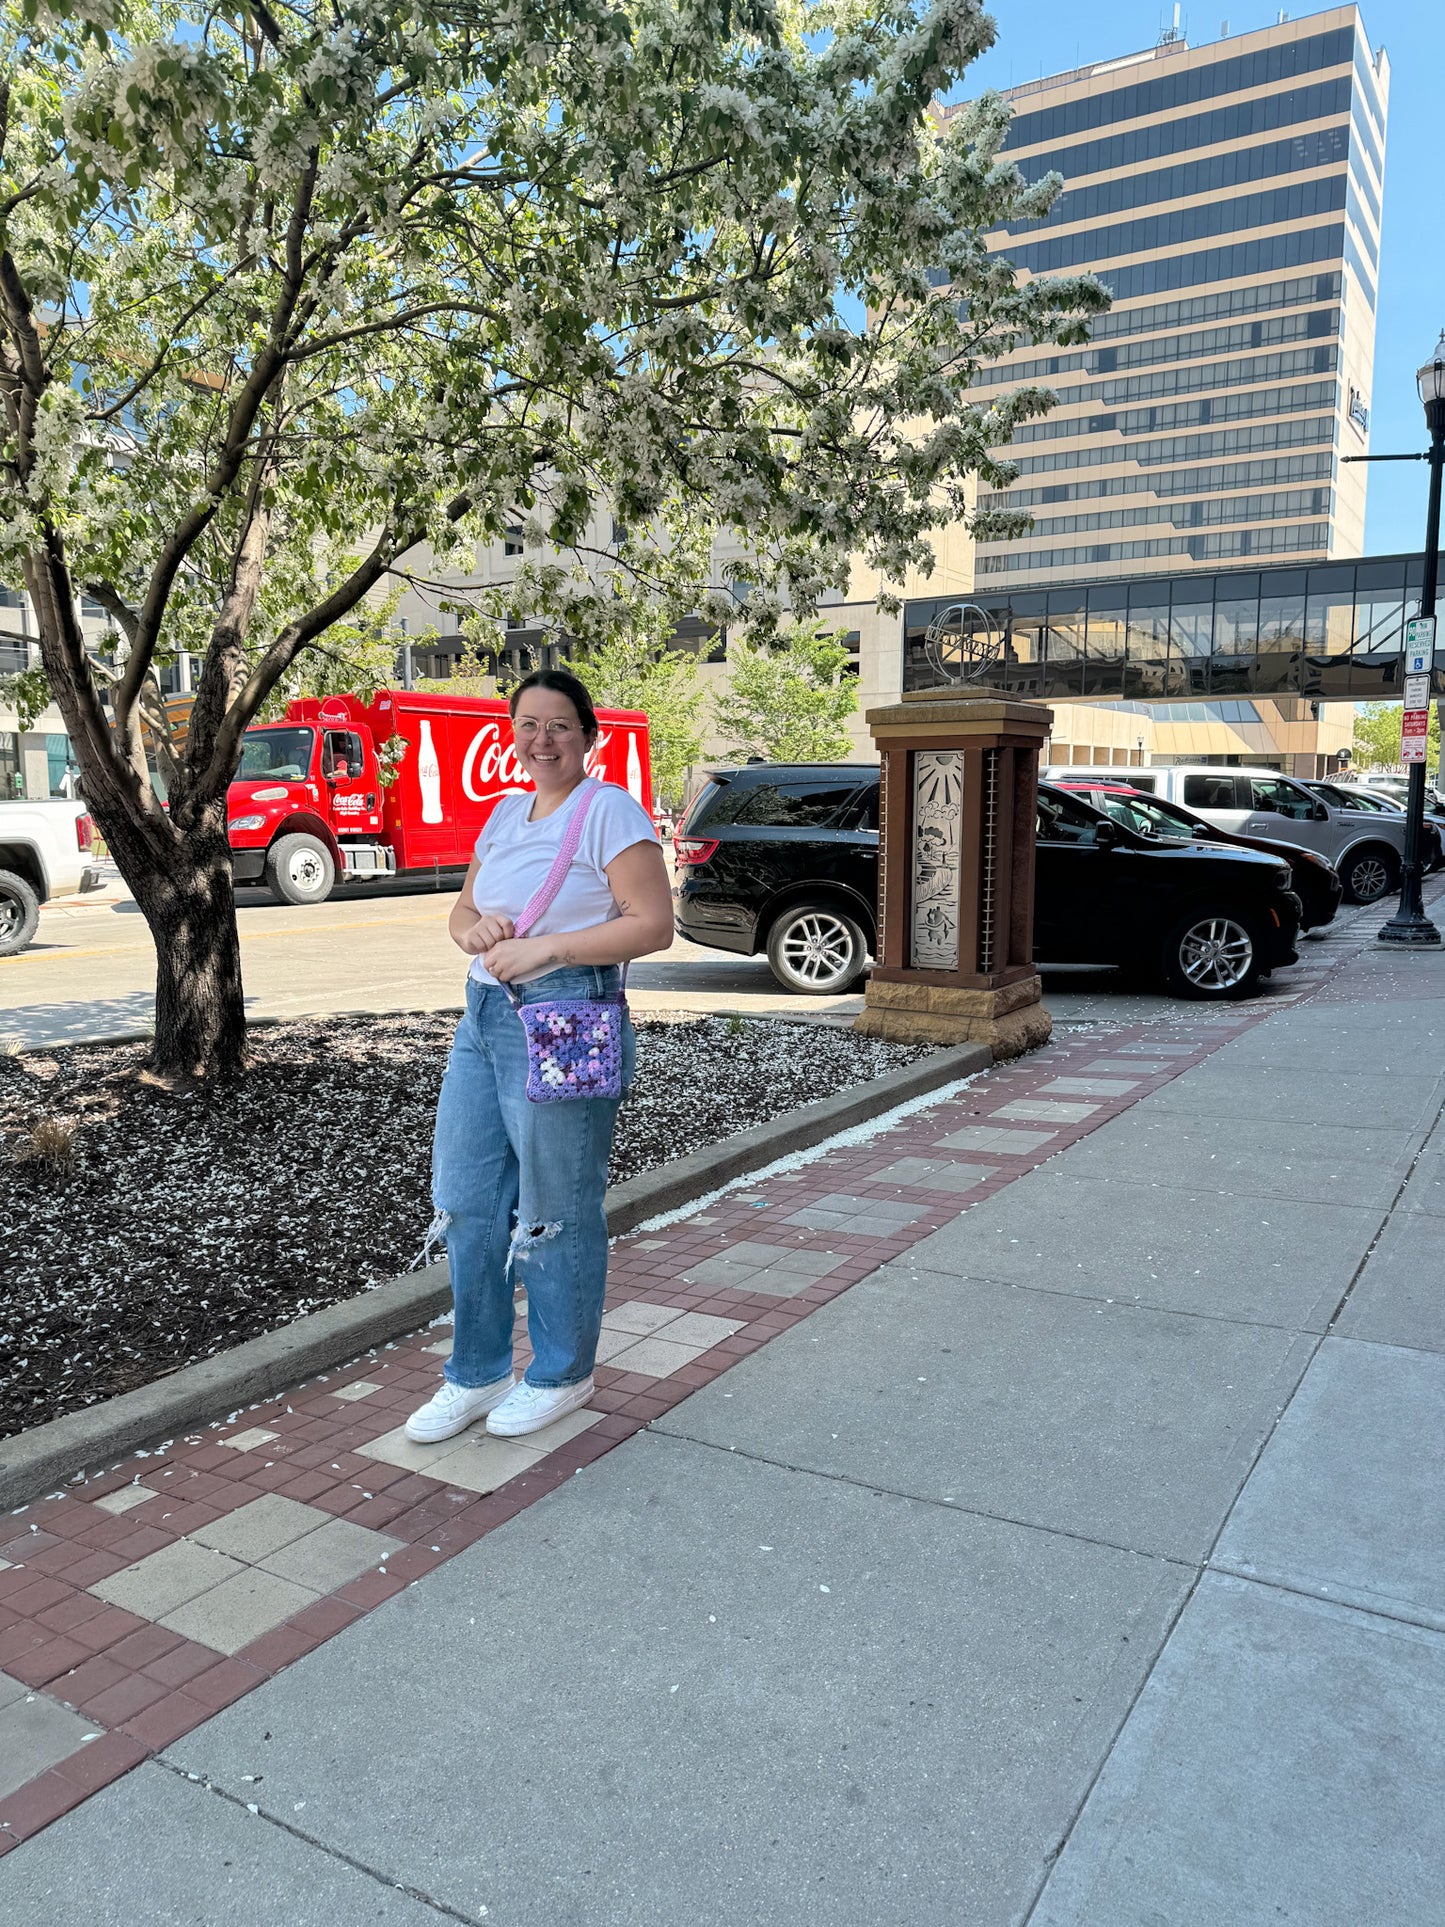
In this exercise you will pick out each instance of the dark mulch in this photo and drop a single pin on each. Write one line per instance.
(189, 1223)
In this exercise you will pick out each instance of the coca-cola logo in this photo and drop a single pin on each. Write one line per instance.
(493, 763)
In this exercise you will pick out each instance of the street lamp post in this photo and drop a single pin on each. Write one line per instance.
(1410, 925)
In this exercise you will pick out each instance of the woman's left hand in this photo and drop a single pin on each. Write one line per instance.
(519, 958)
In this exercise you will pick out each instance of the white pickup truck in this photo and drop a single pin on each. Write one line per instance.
(44, 853)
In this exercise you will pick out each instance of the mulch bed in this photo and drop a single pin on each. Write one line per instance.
(186, 1224)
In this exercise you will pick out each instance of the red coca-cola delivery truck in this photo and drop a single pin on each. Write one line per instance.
(308, 806)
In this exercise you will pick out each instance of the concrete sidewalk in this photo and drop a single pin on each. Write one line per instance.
(1084, 1566)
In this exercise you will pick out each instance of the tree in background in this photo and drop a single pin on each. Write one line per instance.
(1377, 736)
(280, 283)
(638, 671)
(789, 698)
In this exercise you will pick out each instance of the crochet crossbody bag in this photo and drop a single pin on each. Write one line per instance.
(574, 1044)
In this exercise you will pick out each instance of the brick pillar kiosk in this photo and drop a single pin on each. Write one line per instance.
(956, 873)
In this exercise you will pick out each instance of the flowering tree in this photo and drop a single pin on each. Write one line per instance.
(789, 698)
(280, 283)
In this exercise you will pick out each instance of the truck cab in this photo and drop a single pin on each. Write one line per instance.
(306, 806)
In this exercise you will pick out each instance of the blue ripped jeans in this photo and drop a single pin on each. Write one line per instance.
(520, 1187)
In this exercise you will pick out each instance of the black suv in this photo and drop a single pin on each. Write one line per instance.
(783, 857)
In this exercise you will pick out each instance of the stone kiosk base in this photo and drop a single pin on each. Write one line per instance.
(1010, 1021)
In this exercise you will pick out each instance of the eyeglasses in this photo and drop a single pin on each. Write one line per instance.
(527, 729)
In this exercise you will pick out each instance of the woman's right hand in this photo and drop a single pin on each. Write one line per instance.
(489, 929)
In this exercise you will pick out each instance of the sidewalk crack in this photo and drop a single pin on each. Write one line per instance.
(258, 1812)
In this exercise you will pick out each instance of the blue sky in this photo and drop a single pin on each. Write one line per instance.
(1037, 37)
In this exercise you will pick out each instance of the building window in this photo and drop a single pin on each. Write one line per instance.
(1327, 147)
(1241, 74)
(512, 543)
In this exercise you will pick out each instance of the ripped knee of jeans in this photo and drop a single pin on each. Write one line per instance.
(525, 1240)
(434, 1242)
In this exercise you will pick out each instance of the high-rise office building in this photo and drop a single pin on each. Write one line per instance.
(1229, 195)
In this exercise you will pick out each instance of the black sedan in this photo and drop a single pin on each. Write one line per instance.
(1316, 881)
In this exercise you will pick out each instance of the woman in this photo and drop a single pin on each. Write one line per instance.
(519, 1186)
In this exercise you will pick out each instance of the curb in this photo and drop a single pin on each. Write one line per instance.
(37, 1462)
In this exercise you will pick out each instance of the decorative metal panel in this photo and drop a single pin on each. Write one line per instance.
(988, 863)
(937, 840)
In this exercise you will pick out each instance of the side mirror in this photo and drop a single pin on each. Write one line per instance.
(1106, 835)
(1322, 815)
(1203, 832)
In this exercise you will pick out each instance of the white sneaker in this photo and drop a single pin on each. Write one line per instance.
(530, 1407)
(454, 1408)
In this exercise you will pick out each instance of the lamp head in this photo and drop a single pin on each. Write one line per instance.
(1430, 379)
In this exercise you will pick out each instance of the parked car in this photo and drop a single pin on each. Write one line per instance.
(1361, 796)
(44, 852)
(1314, 879)
(1365, 846)
(783, 858)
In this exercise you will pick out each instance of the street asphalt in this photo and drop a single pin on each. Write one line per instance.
(1083, 1568)
(91, 971)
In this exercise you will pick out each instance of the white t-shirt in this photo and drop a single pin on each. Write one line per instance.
(517, 855)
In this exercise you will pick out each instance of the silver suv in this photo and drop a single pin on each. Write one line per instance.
(1364, 845)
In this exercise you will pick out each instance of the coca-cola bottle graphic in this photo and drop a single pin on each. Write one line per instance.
(634, 766)
(429, 776)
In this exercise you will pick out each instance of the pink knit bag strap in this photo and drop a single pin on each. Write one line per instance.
(538, 906)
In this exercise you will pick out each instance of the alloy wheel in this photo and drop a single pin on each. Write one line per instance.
(1216, 953)
(1369, 879)
(12, 918)
(818, 947)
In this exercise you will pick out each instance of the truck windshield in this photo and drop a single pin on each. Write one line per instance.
(275, 752)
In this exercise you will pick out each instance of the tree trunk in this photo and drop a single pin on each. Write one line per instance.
(189, 903)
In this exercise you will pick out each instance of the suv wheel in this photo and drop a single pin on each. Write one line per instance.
(817, 950)
(1370, 874)
(1212, 956)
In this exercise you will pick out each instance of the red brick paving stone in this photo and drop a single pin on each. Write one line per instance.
(306, 1486)
(35, 1805)
(141, 1649)
(224, 1683)
(46, 1661)
(159, 1725)
(107, 1629)
(93, 1568)
(341, 1501)
(180, 1664)
(124, 1700)
(278, 1648)
(377, 1513)
(65, 1616)
(102, 1761)
(415, 1561)
(94, 1675)
(41, 1592)
(372, 1589)
(326, 1618)
(19, 1549)
(184, 1516)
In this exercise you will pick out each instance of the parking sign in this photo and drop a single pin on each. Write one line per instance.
(1419, 645)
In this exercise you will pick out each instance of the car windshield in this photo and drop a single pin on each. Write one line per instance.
(1146, 817)
(282, 753)
(1383, 805)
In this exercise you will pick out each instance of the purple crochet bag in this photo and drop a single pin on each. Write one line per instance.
(574, 1044)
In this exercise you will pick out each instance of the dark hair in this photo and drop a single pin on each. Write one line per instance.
(565, 684)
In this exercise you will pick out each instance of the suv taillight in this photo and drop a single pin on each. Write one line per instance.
(84, 832)
(693, 849)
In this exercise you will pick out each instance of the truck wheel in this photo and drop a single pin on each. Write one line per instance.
(1370, 873)
(817, 949)
(299, 869)
(1212, 956)
(19, 913)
